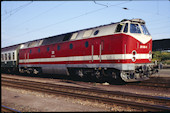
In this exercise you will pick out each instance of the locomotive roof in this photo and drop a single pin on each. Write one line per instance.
(64, 34)
(16, 45)
(80, 30)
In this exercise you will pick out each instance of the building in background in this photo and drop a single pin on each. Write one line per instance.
(161, 45)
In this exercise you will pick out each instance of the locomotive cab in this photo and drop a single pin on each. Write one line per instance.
(133, 27)
(138, 30)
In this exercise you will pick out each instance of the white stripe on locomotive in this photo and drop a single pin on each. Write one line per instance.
(85, 58)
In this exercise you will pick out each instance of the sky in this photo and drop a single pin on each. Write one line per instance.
(23, 21)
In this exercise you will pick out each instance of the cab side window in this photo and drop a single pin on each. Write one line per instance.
(119, 28)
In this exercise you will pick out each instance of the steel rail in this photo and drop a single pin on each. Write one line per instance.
(8, 109)
(94, 90)
(103, 99)
(152, 84)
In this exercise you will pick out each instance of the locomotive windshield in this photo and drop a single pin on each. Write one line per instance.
(145, 31)
(134, 28)
(126, 28)
(137, 28)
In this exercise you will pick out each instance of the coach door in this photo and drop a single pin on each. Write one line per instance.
(96, 50)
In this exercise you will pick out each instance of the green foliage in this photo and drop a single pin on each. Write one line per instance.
(165, 56)
(167, 62)
(156, 56)
(161, 57)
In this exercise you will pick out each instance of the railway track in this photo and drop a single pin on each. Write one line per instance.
(8, 109)
(108, 97)
(152, 85)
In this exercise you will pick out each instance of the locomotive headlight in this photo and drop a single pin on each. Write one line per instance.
(150, 55)
(134, 53)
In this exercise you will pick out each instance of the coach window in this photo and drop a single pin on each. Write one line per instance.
(119, 27)
(126, 28)
(71, 46)
(2, 56)
(48, 49)
(39, 50)
(13, 54)
(9, 56)
(86, 44)
(5, 56)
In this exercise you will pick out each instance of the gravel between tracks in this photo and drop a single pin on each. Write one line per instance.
(27, 101)
(102, 86)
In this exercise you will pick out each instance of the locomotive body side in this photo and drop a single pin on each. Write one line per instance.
(114, 51)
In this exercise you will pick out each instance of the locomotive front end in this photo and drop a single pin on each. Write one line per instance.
(137, 46)
(141, 72)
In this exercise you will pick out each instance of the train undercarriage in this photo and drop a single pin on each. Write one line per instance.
(141, 72)
(101, 74)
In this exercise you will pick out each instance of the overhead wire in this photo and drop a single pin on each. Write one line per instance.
(35, 17)
(142, 11)
(16, 10)
(100, 4)
(166, 26)
(69, 19)
(9, 12)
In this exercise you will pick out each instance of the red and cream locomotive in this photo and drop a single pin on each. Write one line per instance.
(120, 51)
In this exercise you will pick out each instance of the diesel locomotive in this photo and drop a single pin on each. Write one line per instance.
(119, 51)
